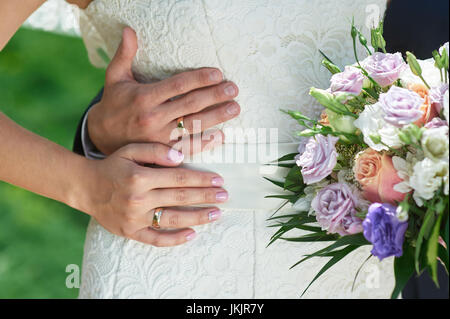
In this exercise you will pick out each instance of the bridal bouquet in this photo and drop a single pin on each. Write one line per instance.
(374, 169)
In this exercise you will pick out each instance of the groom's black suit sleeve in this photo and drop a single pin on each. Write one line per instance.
(78, 142)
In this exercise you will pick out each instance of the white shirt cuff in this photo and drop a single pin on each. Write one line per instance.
(89, 149)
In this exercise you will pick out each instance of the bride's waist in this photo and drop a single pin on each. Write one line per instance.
(243, 167)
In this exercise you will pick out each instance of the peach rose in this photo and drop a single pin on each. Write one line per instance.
(377, 176)
(429, 112)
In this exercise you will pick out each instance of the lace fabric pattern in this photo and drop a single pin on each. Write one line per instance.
(270, 49)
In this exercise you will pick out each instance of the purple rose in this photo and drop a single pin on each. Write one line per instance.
(385, 69)
(301, 147)
(318, 159)
(335, 206)
(437, 97)
(436, 123)
(350, 81)
(401, 106)
(383, 229)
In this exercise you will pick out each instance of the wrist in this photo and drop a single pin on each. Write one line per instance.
(95, 130)
(82, 181)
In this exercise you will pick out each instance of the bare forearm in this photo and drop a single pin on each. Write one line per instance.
(38, 165)
(12, 14)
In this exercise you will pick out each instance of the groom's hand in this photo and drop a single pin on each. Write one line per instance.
(131, 112)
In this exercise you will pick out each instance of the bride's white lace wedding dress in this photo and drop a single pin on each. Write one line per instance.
(270, 49)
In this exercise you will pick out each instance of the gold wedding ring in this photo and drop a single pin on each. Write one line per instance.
(157, 218)
(180, 122)
(180, 126)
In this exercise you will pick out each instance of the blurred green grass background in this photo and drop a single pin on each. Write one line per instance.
(46, 82)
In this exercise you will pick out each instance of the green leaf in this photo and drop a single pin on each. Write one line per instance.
(294, 180)
(276, 183)
(291, 198)
(325, 57)
(424, 231)
(354, 240)
(338, 255)
(359, 270)
(403, 269)
(285, 158)
(311, 238)
(432, 251)
(283, 216)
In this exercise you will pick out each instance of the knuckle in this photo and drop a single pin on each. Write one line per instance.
(218, 93)
(190, 102)
(149, 119)
(180, 196)
(204, 76)
(179, 84)
(140, 99)
(209, 196)
(180, 178)
(135, 179)
(174, 220)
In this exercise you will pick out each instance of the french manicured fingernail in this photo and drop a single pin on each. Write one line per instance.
(233, 109)
(214, 215)
(215, 76)
(175, 156)
(230, 90)
(222, 197)
(217, 181)
(191, 236)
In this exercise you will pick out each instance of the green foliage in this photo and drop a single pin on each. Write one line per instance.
(46, 82)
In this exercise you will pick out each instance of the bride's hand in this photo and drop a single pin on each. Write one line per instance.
(123, 194)
(131, 112)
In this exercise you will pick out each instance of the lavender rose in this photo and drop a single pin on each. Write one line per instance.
(437, 97)
(436, 123)
(318, 159)
(401, 106)
(335, 206)
(350, 81)
(385, 69)
(384, 230)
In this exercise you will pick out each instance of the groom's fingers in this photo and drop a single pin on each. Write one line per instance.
(210, 117)
(198, 100)
(164, 238)
(183, 83)
(120, 66)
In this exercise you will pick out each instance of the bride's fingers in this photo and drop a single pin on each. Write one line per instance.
(198, 100)
(181, 177)
(208, 118)
(187, 196)
(199, 142)
(164, 238)
(184, 217)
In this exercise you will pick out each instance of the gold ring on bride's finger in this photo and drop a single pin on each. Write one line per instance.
(157, 218)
